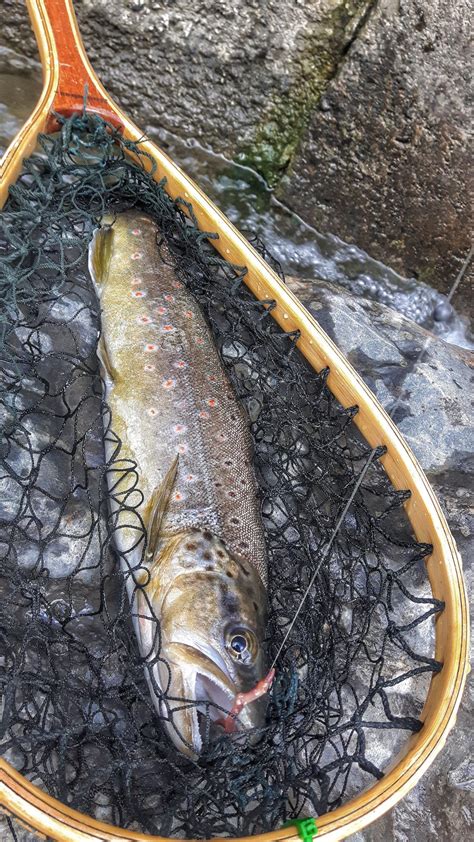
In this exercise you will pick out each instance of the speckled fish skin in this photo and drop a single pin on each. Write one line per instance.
(169, 396)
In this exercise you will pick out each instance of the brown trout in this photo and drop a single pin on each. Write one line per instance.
(174, 411)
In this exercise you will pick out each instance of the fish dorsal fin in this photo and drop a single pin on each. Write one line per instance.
(157, 507)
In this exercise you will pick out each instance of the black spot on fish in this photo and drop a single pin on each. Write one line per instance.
(220, 554)
(234, 519)
(230, 603)
(229, 574)
(209, 567)
(191, 546)
(255, 606)
(207, 556)
(207, 535)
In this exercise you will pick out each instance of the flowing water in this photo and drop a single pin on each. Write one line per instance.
(244, 196)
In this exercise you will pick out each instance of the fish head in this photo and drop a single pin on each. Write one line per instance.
(212, 608)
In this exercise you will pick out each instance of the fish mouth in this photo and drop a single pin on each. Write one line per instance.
(196, 676)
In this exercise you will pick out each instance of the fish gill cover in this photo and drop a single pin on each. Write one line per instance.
(77, 717)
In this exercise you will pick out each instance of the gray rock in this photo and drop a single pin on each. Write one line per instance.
(239, 76)
(426, 384)
(384, 88)
(385, 163)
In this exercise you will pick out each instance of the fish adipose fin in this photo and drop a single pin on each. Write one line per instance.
(157, 507)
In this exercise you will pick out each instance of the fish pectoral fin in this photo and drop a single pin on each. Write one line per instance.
(157, 507)
(105, 360)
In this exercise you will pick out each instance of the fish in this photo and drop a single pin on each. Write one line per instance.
(203, 575)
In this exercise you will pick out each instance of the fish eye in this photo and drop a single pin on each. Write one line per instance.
(238, 644)
(242, 645)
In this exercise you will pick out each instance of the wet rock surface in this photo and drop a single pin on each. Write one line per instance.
(385, 160)
(426, 384)
(239, 76)
(363, 104)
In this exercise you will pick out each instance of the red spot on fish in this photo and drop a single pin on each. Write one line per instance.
(212, 378)
(203, 414)
(161, 310)
(182, 448)
(189, 314)
(136, 232)
(199, 340)
(168, 328)
(231, 494)
(178, 496)
(176, 284)
(179, 428)
(150, 347)
(169, 384)
(212, 402)
(136, 255)
(169, 297)
(148, 367)
(189, 477)
(138, 293)
(144, 319)
(181, 364)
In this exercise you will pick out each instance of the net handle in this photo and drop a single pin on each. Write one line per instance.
(77, 82)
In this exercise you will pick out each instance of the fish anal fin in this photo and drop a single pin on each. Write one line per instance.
(157, 507)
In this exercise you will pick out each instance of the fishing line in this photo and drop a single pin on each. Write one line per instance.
(263, 686)
(325, 553)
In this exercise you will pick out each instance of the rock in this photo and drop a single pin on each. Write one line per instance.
(385, 162)
(383, 87)
(240, 77)
(427, 384)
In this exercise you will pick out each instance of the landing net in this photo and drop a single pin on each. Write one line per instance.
(77, 718)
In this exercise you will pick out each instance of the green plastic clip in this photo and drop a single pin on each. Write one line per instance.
(307, 828)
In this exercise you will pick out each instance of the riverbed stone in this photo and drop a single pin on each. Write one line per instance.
(385, 161)
(427, 385)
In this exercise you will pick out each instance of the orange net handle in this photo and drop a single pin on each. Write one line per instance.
(75, 72)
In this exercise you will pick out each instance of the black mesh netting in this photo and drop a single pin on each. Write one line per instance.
(77, 717)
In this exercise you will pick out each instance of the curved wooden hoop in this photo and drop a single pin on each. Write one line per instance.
(60, 48)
